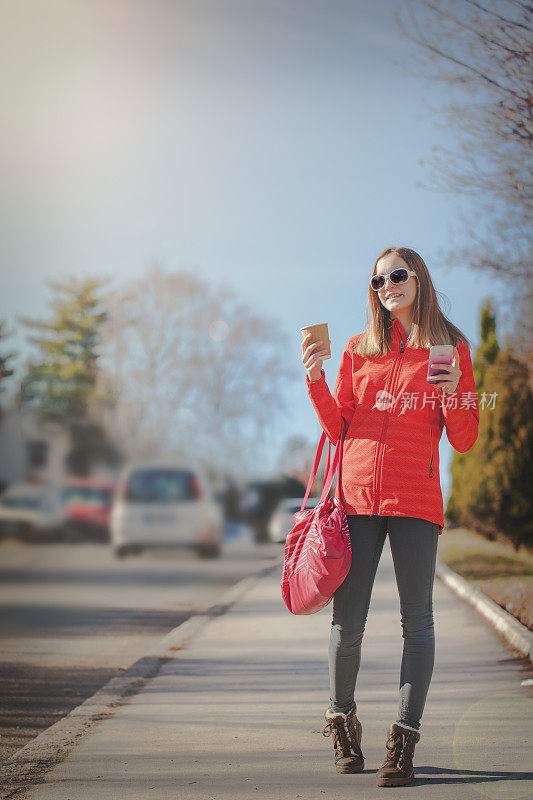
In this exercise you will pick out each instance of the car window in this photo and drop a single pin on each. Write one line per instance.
(310, 504)
(89, 495)
(160, 486)
(22, 501)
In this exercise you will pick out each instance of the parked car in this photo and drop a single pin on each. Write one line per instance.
(260, 498)
(165, 503)
(88, 501)
(32, 512)
(281, 522)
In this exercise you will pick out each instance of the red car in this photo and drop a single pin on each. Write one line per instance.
(88, 507)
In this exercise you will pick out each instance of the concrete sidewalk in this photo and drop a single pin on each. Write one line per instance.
(239, 712)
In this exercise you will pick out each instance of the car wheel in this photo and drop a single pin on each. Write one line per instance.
(208, 550)
(27, 533)
(71, 534)
(121, 551)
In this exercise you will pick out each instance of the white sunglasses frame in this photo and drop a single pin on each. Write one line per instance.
(409, 273)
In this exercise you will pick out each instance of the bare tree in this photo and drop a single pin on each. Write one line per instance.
(186, 369)
(296, 458)
(483, 49)
(5, 358)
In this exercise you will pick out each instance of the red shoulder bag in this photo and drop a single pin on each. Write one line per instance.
(318, 552)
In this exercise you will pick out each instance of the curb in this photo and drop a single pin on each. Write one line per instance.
(520, 637)
(25, 767)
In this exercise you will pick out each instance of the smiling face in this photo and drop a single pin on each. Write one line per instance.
(397, 299)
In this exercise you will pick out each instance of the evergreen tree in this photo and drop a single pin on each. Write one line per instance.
(60, 385)
(489, 348)
(500, 490)
(484, 356)
(492, 486)
(5, 366)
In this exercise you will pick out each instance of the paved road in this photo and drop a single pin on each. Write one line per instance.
(71, 616)
(238, 713)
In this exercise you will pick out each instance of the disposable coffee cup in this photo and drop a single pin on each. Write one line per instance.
(319, 332)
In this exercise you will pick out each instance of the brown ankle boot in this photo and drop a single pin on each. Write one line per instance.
(347, 732)
(397, 768)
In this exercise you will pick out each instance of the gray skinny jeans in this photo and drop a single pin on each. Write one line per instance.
(413, 544)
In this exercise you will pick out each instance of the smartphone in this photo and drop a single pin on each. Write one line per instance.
(439, 354)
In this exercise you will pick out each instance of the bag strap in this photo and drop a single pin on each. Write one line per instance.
(337, 462)
(330, 470)
(339, 477)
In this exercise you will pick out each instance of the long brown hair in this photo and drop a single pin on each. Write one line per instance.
(430, 326)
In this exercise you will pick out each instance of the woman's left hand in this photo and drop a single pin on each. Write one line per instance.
(454, 373)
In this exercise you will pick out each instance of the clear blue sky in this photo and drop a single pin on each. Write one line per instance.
(270, 144)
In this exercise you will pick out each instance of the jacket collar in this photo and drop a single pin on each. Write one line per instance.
(398, 333)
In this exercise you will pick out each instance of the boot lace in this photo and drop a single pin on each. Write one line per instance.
(401, 750)
(343, 737)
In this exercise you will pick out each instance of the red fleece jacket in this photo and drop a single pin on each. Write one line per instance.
(390, 458)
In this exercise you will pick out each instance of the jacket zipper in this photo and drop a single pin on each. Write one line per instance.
(431, 444)
(377, 467)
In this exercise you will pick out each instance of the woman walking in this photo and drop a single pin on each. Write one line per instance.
(393, 416)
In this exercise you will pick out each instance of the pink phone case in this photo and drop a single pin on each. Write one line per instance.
(439, 354)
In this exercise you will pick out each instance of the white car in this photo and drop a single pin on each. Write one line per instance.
(165, 503)
(33, 512)
(281, 522)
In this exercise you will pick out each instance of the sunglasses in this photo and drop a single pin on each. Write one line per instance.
(397, 277)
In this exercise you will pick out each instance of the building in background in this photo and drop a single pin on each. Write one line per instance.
(30, 452)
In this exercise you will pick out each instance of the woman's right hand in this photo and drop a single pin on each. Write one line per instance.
(311, 357)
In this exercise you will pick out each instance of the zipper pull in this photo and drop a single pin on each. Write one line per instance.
(401, 346)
